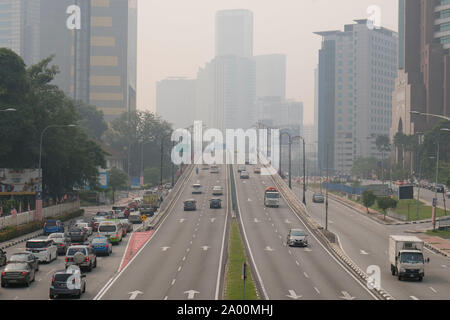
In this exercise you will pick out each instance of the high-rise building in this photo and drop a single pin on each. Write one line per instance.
(19, 20)
(234, 33)
(175, 101)
(357, 68)
(423, 82)
(270, 75)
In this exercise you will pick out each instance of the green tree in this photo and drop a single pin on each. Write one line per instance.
(92, 121)
(385, 203)
(152, 176)
(118, 180)
(448, 182)
(368, 199)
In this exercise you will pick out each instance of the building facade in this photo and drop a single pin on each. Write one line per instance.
(357, 68)
(270, 75)
(234, 33)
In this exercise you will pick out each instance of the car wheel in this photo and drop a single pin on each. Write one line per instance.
(37, 266)
(3, 284)
(84, 288)
(89, 268)
(27, 284)
(95, 264)
(51, 296)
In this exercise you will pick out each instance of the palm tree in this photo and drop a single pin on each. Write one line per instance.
(383, 145)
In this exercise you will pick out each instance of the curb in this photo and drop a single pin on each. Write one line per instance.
(436, 250)
(11, 244)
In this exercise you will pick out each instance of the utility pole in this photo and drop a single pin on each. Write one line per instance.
(326, 196)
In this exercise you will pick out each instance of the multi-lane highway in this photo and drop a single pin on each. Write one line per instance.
(366, 242)
(284, 272)
(184, 258)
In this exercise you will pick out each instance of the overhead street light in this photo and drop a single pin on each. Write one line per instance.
(417, 113)
(8, 110)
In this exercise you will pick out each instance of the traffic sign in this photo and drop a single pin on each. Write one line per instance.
(143, 217)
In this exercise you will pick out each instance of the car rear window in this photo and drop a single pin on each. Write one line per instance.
(37, 244)
(107, 228)
(62, 277)
(19, 258)
(50, 223)
(16, 266)
(72, 251)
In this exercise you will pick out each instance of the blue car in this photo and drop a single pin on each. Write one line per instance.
(101, 246)
(53, 226)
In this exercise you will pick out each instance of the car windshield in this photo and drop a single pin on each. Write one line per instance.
(411, 257)
(36, 244)
(72, 251)
(16, 267)
(19, 258)
(50, 223)
(107, 228)
(272, 195)
(298, 233)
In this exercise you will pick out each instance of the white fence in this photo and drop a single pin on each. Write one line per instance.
(27, 217)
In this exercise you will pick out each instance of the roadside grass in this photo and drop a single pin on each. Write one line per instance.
(440, 233)
(234, 283)
(402, 208)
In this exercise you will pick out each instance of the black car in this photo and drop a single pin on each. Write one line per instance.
(2, 258)
(215, 203)
(77, 234)
(27, 257)
(190, 205)
(18, 273)
(69, 282)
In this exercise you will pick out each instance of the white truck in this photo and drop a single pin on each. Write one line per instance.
(271, 197)
(406, 257)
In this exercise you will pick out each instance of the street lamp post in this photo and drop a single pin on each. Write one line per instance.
(326, 194)
(437, 174)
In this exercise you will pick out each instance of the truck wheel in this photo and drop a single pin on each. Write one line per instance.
(420, 279)
(400, 278)
(392, 270)
(52, 296)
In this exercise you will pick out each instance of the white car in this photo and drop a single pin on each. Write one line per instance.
(217, 191)
(43, 249)
(85, 226)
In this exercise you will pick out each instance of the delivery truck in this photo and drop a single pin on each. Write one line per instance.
(406, 257)
(271, 197)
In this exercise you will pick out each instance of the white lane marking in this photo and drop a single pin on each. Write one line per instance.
(306, 275)
(279, 236)
(165, 248)
(290, 252)
(268, 249)
(212, 220)
(445, 266)
(347, 296)
(297, 263)
(276, 230)
(205, 248)
(317, 290)
(173, 281)
(287, 221)
(414, 298)
(187, 250)
(363, 252)
(182, 220)
(191, 241)
(134, 294)
(193, 236)
(191, 294)
(166, 297)
(256, 220)
(184, 258)
(308, 250)
(249, 200)
(432, 289)
(179, 268)
(293, 295)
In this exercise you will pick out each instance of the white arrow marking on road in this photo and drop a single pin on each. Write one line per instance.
(205, 248)
(363, 252)
(445, 266)
(432, 289)
(308, 250)
(268, 249)
(293, 295)
(134, 294)
(287, 221)
(213, 219)
(165, 248)
(256, 220)
(181, 220)
(414, 298)
(191, 293)
(347, 296)
(249, 200)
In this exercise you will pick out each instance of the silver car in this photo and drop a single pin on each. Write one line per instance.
(297, 237)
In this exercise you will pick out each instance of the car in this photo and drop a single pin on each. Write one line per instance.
(77, 234)
(196, 188)
(53, 226)
(190, 205)
(215, 203)
(68, 282)
(2, 258)
(21, 257)
(134, 217)
(214, 169)
(241, 168)
(96, 222)
(42, 248)
(104, 214)
(127, 225)
(217, 191)
(297, 237)
(440, 188)
(85, 226)
(111, 229)
(101, 245)
(81, 255)
(61, 242)
(244, 175)
(257, 170)
(318, 197)
(147, 209)
(15, 273)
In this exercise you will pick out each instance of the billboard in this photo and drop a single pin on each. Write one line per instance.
(103, 179)
(20, 181)
(135, 182)
(405, 192)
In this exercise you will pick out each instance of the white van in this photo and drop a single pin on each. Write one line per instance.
(111, 229)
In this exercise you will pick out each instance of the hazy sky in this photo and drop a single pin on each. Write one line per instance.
(176, 37)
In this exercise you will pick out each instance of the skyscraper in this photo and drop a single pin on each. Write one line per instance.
(234, 33)
(423, 82)
(357, 68)
(270, 75)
